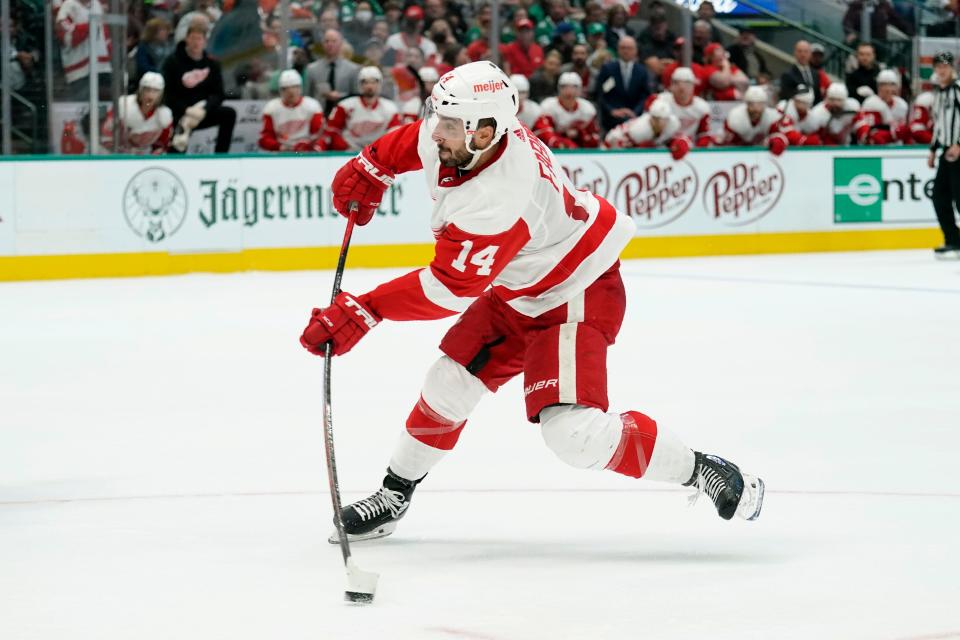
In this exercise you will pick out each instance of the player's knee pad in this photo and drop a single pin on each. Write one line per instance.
(449, 395)
(583, 437)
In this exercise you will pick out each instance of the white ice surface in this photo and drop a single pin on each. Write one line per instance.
(162, 473)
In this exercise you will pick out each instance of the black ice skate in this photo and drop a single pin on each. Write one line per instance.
(947, 252)
(732, 492)
(377, 516)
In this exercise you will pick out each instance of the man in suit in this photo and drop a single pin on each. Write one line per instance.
(332, 77)
(622, 86)
(800, 73)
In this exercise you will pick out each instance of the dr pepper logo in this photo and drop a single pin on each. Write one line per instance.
(744, 192)
(658, 194)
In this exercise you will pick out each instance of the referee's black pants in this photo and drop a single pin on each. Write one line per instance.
(946, 192)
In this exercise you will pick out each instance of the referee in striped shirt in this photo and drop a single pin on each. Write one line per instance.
(946, 136)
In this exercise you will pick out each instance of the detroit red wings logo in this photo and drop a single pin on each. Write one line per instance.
(290, 128)
(192, 78)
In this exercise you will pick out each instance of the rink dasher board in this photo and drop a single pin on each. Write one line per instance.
(120, 216)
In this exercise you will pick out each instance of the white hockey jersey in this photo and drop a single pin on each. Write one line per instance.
(835, 129)
(72, 25)
(569, 122)
(354, 124)
(411, 110)
(529, 112)
(694, 117)
(805, 125)
(890, 114)
(517, 225)
(638, 132)
(287, 126)
(142, 133)
(739, 131)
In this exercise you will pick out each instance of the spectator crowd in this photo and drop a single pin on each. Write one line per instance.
(591, 73)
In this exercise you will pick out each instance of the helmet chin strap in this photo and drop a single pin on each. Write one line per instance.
(476, 153)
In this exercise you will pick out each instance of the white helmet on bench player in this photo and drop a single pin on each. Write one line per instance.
(473, 92)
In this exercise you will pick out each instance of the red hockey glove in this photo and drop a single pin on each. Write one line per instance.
(777, 144)
(679, 147)
(344, 323)
(881, 136)
(903, 133)
(363, 180)
(812, 140)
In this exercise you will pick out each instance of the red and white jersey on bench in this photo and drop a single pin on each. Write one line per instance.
(739, 131)
(638, 132)
(516, 224)
(285, 126)
(143, 133)
(694, 116)
(355, 122)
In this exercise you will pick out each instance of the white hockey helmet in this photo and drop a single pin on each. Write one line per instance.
(521, 83)
(660, 109)
(805, 96)
(290, 78)
(370, 73)
(888, 76)
(570, 79)
(837, 91)
(472, 92)
(756, 94)
(682, 74)
(428, 74)
(152, 80)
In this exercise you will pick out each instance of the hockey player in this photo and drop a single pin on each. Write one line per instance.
(359, 120)
(529, 111)
(753, 123)
(921, 119)
(568, 121)
(657, 127)
(797, 109)
(146, 124)
(883, 116)
(412, 109)
(292, 122)
(692, 111)
(835, 116)
(532, 263)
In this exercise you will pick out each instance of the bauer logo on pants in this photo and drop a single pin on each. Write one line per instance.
(155, 204)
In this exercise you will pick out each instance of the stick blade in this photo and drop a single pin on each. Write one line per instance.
(361, 585)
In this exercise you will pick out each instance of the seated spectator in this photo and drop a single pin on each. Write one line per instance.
(835, 115)
(598, 53)
(744, 54)
(24, 57)
(798, 110)
(558, 13)
(357, 30)
(578, 65)
(72, 27)
(523, 55)
(656, 40)
(292, 122)
(865, 74)
(883, 117)
(410, 35)
(253, 79)
(882, 15)
(568, 121)
(707, 12)
(921, 118)
(543, 82)
(481, 28)
(529, 111)
(205, 10)
(413, 109)
(454, 56)
(564, 39)
(146, 125)
(194, 91)
(817, 59)
(658, 127)
(622, 86)
(700, 38)
(451, 13)
(666, 72)
(617, 28)
(406, 76)
(721, 80)
(154, 47)
(754, 123)
(359, 120)
(331, 77)
(800, 73)
(442, 36)
(691, 111)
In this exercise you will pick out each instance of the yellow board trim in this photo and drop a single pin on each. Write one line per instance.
(411, 255)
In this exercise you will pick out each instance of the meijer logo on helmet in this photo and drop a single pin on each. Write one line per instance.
(488, 86)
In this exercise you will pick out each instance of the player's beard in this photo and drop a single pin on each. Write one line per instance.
(454, 158)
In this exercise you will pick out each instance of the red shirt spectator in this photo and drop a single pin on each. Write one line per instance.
(523, 55)
(721, 79)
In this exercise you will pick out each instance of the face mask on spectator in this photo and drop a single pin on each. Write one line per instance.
(364, 16)
(440, 37)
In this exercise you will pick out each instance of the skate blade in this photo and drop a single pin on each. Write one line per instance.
(947, 256)
(754, 487)
(379, 532)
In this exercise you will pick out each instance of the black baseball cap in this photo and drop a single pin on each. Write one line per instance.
(943, 57)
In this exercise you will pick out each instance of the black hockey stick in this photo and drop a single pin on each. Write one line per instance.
(361, 585)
